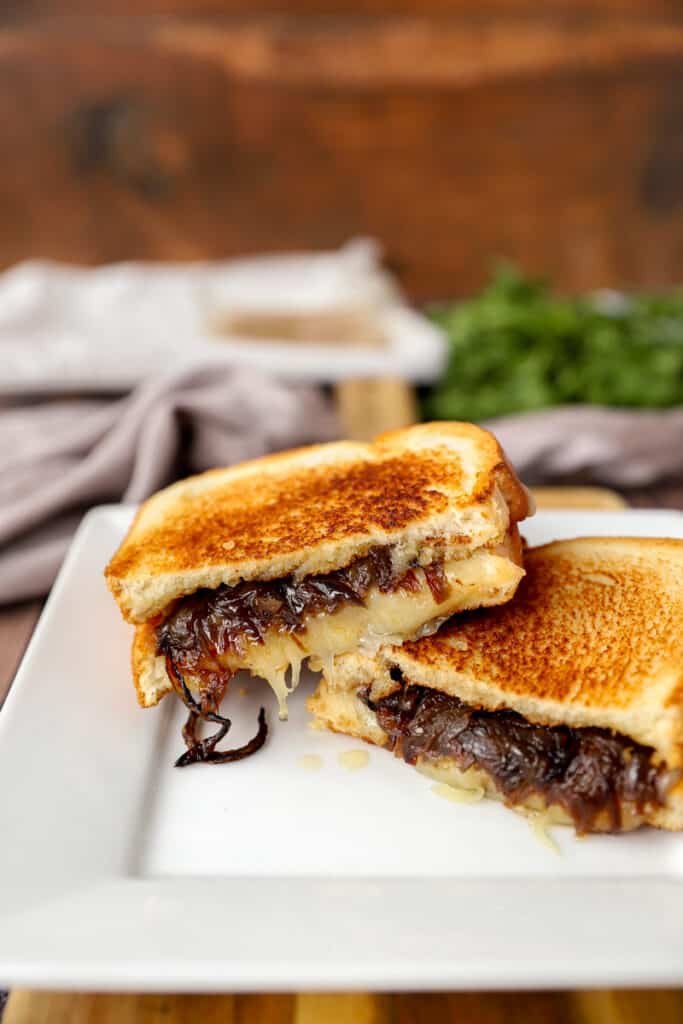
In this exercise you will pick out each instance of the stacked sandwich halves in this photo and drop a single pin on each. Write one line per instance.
(392, 568)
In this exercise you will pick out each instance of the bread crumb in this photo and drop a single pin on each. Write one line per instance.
(457, 794)
(243, 691)
(353, 760)
(310, 762)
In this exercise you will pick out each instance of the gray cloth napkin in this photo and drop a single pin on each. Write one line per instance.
(61, 456)
(619, 447)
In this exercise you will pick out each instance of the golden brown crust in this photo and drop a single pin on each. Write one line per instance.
(149, 671)
(315, 509)
(594, 636)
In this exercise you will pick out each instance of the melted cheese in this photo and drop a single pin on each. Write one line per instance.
(456, 794)
(539, 823)
(533, 806)
(447, 774)
(471, 786)
(383, 618)
(353, 760)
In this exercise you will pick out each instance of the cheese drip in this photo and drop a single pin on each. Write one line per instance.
(383, 618)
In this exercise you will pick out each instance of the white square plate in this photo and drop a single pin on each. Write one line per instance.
(118, 871)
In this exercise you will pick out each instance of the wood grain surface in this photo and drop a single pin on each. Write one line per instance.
(366, 408)
(338, 8)
(599, 1007)
(455, 134)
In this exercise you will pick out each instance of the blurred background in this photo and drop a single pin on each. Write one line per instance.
(456, 133)
(484, 202)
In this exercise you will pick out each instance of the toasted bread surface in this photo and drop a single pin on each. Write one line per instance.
(314, 510)
(594, 636)
(149, 668)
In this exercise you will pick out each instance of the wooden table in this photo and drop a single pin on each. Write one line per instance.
(600, 1007)
(457, 132)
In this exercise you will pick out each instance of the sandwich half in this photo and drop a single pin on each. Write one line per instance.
(566, 701)
(311, 554)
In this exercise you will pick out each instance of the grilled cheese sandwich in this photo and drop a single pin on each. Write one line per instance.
(567, 700)
(314, 553)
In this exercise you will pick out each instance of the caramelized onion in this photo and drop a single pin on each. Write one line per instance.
(589, 772)
(437, 582)
(205, 750)
(206, 624)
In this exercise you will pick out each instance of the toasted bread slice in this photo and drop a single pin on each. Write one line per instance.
(315, 510)
(593, 640)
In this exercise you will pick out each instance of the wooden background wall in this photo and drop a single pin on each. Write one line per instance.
(456, 131)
